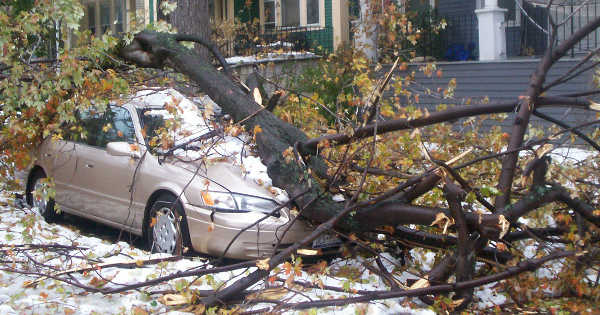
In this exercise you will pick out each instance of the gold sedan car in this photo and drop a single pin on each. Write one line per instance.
(201, 193)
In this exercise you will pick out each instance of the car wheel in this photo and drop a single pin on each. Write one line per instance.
(166, 227)
(42, 202)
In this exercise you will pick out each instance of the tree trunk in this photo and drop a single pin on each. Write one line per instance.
(190, 17)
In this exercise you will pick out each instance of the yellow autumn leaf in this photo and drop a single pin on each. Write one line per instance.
(456, 303)
(106, 85)
(257, 96)
(257, 129)
(263, 264)
(207, 198)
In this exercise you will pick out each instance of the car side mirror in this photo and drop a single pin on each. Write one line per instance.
(122, 149)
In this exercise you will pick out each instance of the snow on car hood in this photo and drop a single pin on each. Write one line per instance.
(190, 113)
(195, 119)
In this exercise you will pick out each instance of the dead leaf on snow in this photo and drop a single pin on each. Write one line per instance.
(269, 294)
(196, 309)
(504, 225)
(421, 283)
(173, 299)
(137, 310)
(442, 221)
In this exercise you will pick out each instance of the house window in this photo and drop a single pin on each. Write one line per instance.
(312, 11)
(292, 13)
(105, 16)
(269, 14)
(91, 16)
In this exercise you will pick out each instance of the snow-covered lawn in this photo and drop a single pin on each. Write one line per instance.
(38, 293)
(35, 294)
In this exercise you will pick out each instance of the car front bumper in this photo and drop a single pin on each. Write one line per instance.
(212, 236)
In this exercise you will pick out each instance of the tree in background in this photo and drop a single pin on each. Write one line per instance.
(191, 17)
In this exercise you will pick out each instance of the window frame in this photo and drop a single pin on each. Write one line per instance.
(113, 6)
(303, 14)
(94, 131)
(131, 138)
(319, 13)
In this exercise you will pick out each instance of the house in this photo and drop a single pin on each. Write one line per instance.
(521, 27)
(305, 24)
(320, 25)
(492, 47)
(116, 16)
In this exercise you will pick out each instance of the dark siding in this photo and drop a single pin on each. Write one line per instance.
(504, 82)
(323, 39)
(456, 7)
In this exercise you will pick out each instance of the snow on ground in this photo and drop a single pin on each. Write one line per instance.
(25, 226)
(269, 57)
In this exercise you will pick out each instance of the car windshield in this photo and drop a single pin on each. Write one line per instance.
(168, 118)
(158, 109)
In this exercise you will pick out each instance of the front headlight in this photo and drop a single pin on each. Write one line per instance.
(236, 202)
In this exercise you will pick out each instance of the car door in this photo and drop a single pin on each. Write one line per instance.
(103, 179)
(59, 157)
(61, 160)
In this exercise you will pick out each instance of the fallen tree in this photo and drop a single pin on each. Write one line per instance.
(437, 185)
(303, 173)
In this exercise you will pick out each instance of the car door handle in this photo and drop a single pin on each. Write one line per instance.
(88, 165)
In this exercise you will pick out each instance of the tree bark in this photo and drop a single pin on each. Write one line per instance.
(191, 17)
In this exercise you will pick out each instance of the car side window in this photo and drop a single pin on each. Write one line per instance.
(85, 127)
(117, 126)
(98, 129)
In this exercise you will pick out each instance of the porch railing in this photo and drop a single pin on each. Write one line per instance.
(531, 36)
(459, 41)
(527, 32)
(315, 39)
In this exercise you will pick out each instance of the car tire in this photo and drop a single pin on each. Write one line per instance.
(45, 206)
(166, 227)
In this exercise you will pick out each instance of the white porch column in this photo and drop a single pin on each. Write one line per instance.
(492, 34)
(366, 33)
(340, 21)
